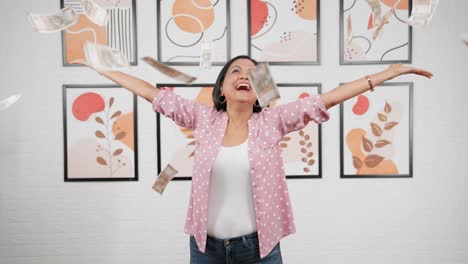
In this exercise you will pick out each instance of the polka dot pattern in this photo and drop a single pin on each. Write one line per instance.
(272, 204)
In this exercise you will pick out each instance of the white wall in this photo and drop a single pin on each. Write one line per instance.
(44, 220)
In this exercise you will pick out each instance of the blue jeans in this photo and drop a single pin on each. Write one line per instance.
(243, 249)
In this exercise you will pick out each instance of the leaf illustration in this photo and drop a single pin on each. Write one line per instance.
(285, 139)
(382, 117)
(357, 163)
(120, 135)
(304, 160)
(190, 136)
(390, 125)
(302, 142)
(388, 108)
(367, 144)
(311, 162)
(303, 150)
(376, 130)
(306, 169)
(382, 143)
(283, 145)
(191, 143)
(99, 120)
(99, 134)
(349, 30)
(310, 154)
(116, 114)
(301, 133)
(307, 137)
(101, 161)
(373, 161)
(111, 102)
(309, 145)
(117, 152)
(192, 154)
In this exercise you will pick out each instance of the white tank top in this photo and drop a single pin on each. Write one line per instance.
(230, 206)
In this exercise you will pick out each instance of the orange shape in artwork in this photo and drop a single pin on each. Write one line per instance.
(307, 9)
(87, 104)
(361, 106)
(193, 16)
(303, 95)
(258, 16)
(124, 123)
(370, 24)
(403, 5)
(75, 42)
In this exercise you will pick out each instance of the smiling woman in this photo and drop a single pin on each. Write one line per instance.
(238, 171)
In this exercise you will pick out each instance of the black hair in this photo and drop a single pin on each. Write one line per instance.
(218, 100)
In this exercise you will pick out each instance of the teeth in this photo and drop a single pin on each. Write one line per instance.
(243, 85)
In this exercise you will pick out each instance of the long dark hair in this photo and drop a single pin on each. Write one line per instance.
(218, 100)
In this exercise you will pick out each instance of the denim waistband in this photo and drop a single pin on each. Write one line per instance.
(232, 239)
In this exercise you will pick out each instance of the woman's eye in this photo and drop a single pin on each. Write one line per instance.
(235, 70)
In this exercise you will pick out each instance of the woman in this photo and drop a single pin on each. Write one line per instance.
(239, 204)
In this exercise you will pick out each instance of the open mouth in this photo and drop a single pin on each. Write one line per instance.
(243, 87)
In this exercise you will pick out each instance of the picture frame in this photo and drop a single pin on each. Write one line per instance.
(100, 133)
(180, 34)
(284, 32)
(376, 133)
(119, 33)
(379, 43)
(176, 145)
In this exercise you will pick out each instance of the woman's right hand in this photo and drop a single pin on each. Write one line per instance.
(83, 62)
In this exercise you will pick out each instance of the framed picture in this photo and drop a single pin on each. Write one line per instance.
(301, 149)
(284, 32)
(100, 133)
(376, 132)
(184, 25)
(375, 32)
(119, 33)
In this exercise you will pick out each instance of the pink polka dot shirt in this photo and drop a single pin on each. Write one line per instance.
(272, 204)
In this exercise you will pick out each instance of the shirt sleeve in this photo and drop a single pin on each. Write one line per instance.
(183, 112)
(296, 115)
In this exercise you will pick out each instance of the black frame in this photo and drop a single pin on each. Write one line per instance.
(318, 62)
(135, 131)
(319, 89)
(410, 120)
(410, 42)
(135, 53)
(195, 63)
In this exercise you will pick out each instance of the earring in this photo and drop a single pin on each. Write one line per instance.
(222, 95)
(256, 104)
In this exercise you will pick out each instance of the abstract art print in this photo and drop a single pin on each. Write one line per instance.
(284, 32)
(375, 32)
(100, 133)
(300, 150)
(119, 32)
(184, 25)
(376, 133)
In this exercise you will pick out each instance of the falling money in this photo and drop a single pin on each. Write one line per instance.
(164, 178)
(55, 22)
(422, 13)
(169, 71)
(6, 103)
(94, 12)
(102, 57)
(376, 11)
(465, 38)
(206, 57)
(264, 85)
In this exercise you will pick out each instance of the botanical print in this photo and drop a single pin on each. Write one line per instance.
(376, 134)
(284, 32)
(375, 31)
(99, 133)
(119, 33)
(183, 25)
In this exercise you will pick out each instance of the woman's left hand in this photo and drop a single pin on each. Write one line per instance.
(400, 69)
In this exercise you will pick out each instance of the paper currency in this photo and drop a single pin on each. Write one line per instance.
(422, 13)
(164, 178)
(50, 23)
(94, 12)
(206, 57)
(102, 57)
(169, 71)
(6, 103)
(264, 85)
(465, 38)
(376, 11)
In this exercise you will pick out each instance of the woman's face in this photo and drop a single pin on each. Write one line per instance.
(236, 86)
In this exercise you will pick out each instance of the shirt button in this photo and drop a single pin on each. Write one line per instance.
(226, 243)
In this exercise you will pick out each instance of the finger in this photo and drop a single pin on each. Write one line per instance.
(78, 61)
